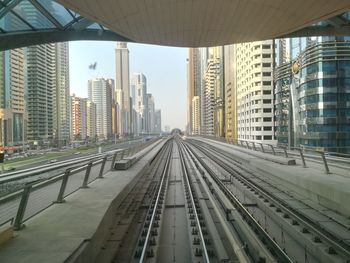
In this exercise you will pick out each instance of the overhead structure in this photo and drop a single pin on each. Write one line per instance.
(32, 22)
(183, 23)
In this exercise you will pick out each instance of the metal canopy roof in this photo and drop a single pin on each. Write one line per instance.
(189, 23)
(31, 22)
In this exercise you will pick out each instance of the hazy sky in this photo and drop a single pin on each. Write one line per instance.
(164, 68)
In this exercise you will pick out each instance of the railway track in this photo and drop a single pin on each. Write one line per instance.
(195, 203)
(316, 243)
(164, 217)
(175, 228)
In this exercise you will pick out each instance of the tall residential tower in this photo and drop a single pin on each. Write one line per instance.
(123, 86)
(254, 67)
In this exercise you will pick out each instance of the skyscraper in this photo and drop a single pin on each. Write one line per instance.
(41, 87)
(79, 117)
(83, 119)
(195, 115)
(230, 93)
(219, 97)
(13, 114)
(254, 67)
(119, 101)
(91, 121)
(212, 84)
(158, 121)
(312, 102)
(194, 82)
(139, 99)
(61, 111)
(123, 85)
(150, 114)
(100, 93)
(203, 53)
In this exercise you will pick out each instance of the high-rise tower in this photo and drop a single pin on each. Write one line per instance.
(312, 101)
(194, 82)
(61, 111)
(13, 115)
(100, 93)
(254, 67)
(123, 86)
(230, 93)
(41, 86)
(139, 98)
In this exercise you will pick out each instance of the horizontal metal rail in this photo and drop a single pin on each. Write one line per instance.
(54, 166)
(23, 195)
(8, 177)
(321, 156)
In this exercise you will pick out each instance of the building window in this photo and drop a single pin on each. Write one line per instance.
(267, 101)
(267, 128)
(267, 119)
(266, 92)
(266, 46)
(266, 74)
(267, 110)
(268, 137)
(258, 137)
(266, 55)
(267, 83)
(266, 65)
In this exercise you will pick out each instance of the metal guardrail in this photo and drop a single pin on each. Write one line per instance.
(40, 194)
(301, 151)
(50, 167)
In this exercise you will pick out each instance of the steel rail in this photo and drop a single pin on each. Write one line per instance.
(280, 254)
(323, 233)
(164, 174)
(186, 176)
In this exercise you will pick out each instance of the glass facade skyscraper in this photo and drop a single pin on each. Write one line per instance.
(313, 105)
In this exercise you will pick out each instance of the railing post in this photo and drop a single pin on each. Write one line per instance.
(285, 152)
(22, 207)
(87, 174)
(100, 175)
(113, 160)
(254, 146)
(325, 162)
(262, 147)
(302, 157)
(273, 149)
(63, 187)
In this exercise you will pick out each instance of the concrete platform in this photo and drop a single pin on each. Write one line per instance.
(54, 234)
(330, 191)
(248, 154)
